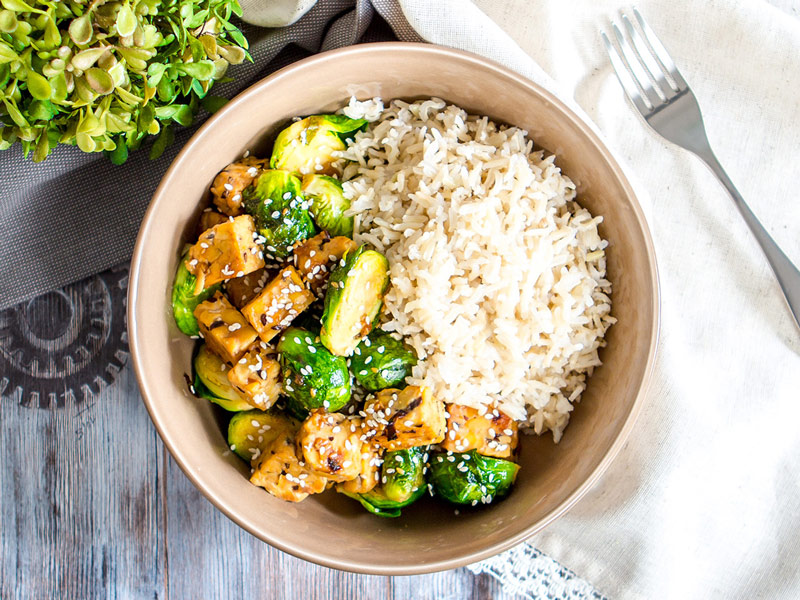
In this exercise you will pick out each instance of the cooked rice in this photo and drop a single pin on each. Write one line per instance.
(497, 273)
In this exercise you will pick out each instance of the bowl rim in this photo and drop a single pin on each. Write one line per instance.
(591, 136)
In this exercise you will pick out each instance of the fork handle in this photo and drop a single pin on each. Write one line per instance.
(787, 274)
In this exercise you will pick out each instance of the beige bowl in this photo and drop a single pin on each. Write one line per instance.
(330, 529)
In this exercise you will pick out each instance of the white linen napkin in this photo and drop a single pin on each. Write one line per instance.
(703, 501)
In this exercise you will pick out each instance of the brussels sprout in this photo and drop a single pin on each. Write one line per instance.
(276, 202)
(377, 503)
(403, 473)
(354, 297)
(327, 204)
(312, 376)
(296, 409)
(381, 362)
(470, 477)
(307, 146)
(250, 431)
(184, 300)
(211, 382)
(402, 483)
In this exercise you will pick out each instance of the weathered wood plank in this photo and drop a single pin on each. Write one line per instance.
(209, 556)
(81, 514)
(458, 584)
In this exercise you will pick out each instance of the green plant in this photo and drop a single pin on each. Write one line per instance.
(104, 75)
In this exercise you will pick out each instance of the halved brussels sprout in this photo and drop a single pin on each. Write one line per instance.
(470, 478)
(327, 204)
(402, 483)
(184, 300)
(381, 362)
(307, 146)
(211, 382)
(276, 202)
(312, 376)
(249, 432)
(403, 473)
(354, 297)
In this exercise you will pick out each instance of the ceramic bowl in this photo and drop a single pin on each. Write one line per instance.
(331, 529)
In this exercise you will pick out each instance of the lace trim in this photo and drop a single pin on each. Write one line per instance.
(526, 572)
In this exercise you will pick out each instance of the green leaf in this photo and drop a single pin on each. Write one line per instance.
(166, 90)
(183, 116)
(90, 125)
(119, 154)
(100, 81)
(42, 147)
(52, 36)
(236, 8)
(38, 86)
(126, 21)
(42, 110)
(197, 88)
(233, 54)
(237, 36)
(8, 21)
(80, 29)
(202, 70)
(86, 59)
(146, 116)
(213, 103)
(15, 115)
(161, 143)
(85, 142)
(7, 54)
(59, 85)
(155, 71)
(20, 6)
(180, 113)
(196, 19)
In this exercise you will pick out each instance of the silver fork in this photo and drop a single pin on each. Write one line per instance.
(662, 97)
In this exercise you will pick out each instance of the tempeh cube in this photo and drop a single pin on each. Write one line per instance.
(316, 257)
(278, 304)
(224, 328)
(404, 419)
(226, 191)
(493, 433)
(283, 473)
(241, 290)
(225, 251)
(369, 470)
(209, 218)
(257, 375)
(331, 445)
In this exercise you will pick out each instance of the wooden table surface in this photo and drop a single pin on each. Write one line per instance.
(92, 504)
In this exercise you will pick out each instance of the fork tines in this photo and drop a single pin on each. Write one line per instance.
(646, 71)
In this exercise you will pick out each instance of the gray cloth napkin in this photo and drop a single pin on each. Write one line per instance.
(77, 214)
